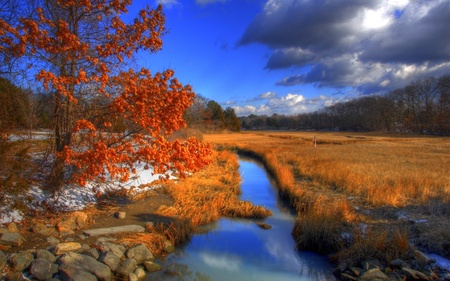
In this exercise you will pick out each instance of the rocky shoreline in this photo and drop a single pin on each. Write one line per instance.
(100, 258)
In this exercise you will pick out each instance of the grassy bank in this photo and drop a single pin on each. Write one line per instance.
(363, 185)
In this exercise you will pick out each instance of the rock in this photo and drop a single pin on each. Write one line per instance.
(80, 219)
(120, 215)
(44, 254)
(264, 226)
(93, 253)
(11, 239)
(151, 266)
(119, 250)
(110, 259)
(113, 230)
(422, 258)
(3, 260)
(86, 263)
(139, 272)
(414, 274)
(84, 248)
(126, 267)
(447, 277)
(43, 229)
(398, 264)
(132, 277)
(12, 227)
(21, 261)
(14, 276)
(373, 274)
(69, 273)
(348, 277)
(168, 247)
(42, 269)
(371, 264)
(355, 270)
(52, 240)
(66, 247)
(140, 253)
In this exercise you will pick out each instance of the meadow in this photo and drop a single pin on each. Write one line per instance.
(358, 195)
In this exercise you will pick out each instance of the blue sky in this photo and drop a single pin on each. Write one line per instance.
(296, 56)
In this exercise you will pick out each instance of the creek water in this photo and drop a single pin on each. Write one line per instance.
(235, 250)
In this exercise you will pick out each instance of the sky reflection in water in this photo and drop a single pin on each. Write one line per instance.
(240, 250)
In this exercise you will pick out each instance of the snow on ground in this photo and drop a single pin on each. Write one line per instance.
(441, 261)
(75, 197)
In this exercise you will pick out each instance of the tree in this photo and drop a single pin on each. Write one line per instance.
(14, 106)
(79, 50)
(217, 115)
(231, 121)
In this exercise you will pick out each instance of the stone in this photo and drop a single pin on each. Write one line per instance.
(66, 247)
(86, 263)
(348, 277)
(3, 230)
(12, 227)
(84, 248)
(3, 260)
(139, 272)
(44, 254)
(11, 239)
(355, 270)
(263, 225)
(80, 219)
(447, 277)
(373, 274)
(168, 247)
(119, 250)
(69, 273)
(414, 274)
(422, 258)
(43, 229)
(110, 259)
(42, 269)
(398, 264)
(14, 276)
(113, 230)
(140, 253)
(126, 267)
(371, 264)
(52, 240)
(120, 215)
(21, 261)
(151, 266)
(93, 253)
(132, 277)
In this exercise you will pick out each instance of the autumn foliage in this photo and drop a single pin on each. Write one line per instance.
(107, 116)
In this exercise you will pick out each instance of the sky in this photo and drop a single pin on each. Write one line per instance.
(297, 56)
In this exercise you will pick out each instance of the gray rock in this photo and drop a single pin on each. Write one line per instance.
(93, 253)
(44, 254)
(348, 277)
(86, 263)
(139, 272)
(152, 267)
(113, 230)
(371, 264)
(447, 277)
(126, 267)
(3, 260)
(140, 253)
(11, 239)
(398, 264)
(373, 274)
(110, 259)
(70, 273)
(355, 270)
(168, 247)
(43, 229)
(84, 248)
(422, 258)
(14, 276)
(414, 274)
(119, 250)
(52, 240)
(43, 269)
(21, 261)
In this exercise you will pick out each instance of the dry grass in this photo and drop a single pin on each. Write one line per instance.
(370, 171)
(210, 194)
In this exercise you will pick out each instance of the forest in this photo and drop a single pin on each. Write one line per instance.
(421, 107)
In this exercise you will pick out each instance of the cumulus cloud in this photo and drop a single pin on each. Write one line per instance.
(362, 44)
(288, 104)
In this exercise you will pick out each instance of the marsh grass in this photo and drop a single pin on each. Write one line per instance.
(210, 194)
(324, 184)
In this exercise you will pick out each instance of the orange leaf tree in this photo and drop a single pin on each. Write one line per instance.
(107, 115)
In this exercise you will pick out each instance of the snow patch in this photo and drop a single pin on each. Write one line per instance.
(440, 261)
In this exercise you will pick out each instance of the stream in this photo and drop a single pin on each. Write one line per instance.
(237, 249)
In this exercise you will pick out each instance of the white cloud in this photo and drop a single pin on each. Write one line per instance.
(205, 2)
(168, 3)
(267, 95)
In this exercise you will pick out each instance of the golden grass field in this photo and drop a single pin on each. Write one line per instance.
(354, 178)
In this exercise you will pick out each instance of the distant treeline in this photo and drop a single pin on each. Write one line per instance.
(421, 107)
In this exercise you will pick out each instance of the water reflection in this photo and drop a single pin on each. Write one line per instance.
(240, 250)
